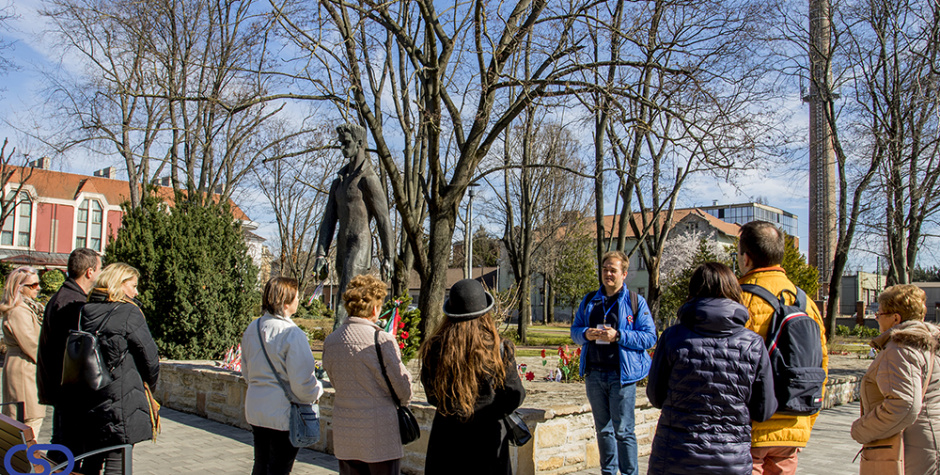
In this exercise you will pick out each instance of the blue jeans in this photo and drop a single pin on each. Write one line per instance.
(613, 406)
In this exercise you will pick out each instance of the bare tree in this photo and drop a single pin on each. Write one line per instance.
(10, 173)
(699, 71)
(457, 61)
(297, 191)
(535, 193)
(177, 88)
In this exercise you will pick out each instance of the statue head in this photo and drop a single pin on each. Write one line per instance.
(352, 138)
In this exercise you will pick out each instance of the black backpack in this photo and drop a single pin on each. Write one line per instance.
(796, 356)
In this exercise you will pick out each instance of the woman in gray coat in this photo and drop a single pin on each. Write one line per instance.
(365, 421)
(893, 390)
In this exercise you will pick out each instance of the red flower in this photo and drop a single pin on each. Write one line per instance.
(529, 376)
(404, 335)
(401, 324)
(401, 345)
(543, 353)
(577, 351)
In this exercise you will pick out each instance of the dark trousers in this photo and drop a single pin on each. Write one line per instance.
(111, 460)
(274, 454)
(358, 467)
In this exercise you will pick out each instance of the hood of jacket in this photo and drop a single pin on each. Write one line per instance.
(912, 333)
(713, 317)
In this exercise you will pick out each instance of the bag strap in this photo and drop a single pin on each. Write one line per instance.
(634, 304)
(287, 392)
(100, 325)
(378, 351)
(930, 358)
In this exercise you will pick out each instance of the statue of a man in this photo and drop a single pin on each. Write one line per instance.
(355, 195)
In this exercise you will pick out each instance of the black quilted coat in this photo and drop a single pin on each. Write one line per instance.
(710, 376)
(118, 413)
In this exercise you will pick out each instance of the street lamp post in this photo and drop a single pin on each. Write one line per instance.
(468, 232)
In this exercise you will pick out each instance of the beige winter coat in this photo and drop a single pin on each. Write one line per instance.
(21, 335)
(891, 395)
(365, 420)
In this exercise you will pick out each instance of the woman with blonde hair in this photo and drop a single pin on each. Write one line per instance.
(365, 421)
(470, 375)
(899, 392)
(22, 319)
(121, 412)
(272, 343)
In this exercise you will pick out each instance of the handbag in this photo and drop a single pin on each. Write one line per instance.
(886, 456)
(304, 417)
(519, 433)
(407, 424)
(83, 366)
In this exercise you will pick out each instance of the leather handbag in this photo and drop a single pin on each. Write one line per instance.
(304, 417)
(83, 366)
(519, 433)
(408, 426)
(886, 456)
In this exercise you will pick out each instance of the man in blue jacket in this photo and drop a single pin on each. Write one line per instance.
(614, 339)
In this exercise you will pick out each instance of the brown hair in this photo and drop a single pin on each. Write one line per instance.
(908, 301)
(80, 260)
(763, 243)
(716, 280)
(617, 255)
(363, 294)
(278, 293)
(464, 352)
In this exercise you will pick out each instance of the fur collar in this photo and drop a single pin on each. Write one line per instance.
(912, 333)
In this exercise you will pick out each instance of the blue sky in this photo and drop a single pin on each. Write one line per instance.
(21, 101)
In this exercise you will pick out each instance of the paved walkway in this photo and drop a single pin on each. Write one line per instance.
(190, 444)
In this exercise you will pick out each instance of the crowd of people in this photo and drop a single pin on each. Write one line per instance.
(711, 373)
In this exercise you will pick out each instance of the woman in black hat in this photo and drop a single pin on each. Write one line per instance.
(470, 375)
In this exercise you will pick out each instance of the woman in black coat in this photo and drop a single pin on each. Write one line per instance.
(470, 375)
(119, 413)
(711, 377)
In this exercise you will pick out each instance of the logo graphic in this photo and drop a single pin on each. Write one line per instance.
(42, 464)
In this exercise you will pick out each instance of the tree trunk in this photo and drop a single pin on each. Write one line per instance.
(525, 306)
(402, 276)
(549, 302)
(441, 233)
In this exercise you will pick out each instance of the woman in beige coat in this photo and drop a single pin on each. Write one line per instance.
(22, 317)
(365, 421)
(892, 390)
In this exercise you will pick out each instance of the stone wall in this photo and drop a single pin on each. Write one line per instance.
(558, 415)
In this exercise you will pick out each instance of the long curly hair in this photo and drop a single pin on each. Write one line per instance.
(465, 352)
(363, 294)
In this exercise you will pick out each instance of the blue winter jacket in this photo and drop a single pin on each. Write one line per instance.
(711, 377)
(637, 334)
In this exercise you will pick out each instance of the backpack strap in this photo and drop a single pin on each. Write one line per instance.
(765, 295)
(634, 304)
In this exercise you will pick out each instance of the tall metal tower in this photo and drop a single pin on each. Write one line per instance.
(822, 198)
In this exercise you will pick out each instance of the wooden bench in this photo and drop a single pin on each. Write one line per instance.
(13, 433)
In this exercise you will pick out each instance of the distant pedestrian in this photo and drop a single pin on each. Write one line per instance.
(470, 375)
(61, 315)
(121, 412)
(267, 409)
(614, 328)
(365, 422)
(711, 377)
(901, 389)
(22, 317)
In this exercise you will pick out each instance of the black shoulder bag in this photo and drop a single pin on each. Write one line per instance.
(407, 424)
(83, 365)
(516, 428)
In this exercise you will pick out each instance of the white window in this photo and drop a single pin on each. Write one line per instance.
(90, 225)
(18, 224)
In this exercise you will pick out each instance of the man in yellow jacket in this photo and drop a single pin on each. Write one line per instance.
(776, 443)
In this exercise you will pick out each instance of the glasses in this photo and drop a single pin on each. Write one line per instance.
(34, 285)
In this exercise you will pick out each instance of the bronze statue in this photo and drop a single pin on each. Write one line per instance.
(355, 195)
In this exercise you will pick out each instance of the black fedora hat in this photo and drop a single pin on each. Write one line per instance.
(467, 300)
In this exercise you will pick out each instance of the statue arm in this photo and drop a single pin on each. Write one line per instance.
(377, 203)
(328, 224)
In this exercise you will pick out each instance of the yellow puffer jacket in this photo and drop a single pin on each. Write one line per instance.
(779, 430)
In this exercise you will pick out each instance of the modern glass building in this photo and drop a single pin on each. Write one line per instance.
(743, 213)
